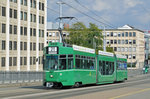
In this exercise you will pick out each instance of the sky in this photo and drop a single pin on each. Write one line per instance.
(113, 13)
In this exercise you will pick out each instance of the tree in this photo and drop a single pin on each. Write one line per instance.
(90, 37)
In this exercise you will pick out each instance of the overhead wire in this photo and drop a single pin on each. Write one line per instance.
(93, 13)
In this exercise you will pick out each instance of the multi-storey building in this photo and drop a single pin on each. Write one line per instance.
(53, 35)
(22, 28)
(128, 41)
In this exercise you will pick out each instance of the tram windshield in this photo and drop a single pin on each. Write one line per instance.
(51, 63)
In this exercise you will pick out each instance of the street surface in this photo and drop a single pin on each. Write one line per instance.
(134, 88)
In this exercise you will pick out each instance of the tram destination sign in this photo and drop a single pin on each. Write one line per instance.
(52, 50)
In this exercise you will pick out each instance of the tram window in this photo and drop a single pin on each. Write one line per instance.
(62, 56)
(77, 63)
(106, 67)
(70, 61)
(100, 66)
(62, 62)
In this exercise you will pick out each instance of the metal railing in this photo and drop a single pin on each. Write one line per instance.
(20, 77)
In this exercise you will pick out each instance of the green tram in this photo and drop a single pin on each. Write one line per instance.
(76, 66)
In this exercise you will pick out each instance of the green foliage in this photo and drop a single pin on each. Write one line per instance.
(90, 37)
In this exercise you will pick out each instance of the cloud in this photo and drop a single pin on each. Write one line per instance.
(131, 3)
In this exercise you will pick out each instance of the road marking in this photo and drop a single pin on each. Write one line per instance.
(132, 93)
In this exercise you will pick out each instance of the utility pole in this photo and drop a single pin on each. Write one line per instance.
(104, 39)
(60, 20)
(60, 3)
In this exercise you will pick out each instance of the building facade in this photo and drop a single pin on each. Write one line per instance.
(53, 35)
(22, 28)
(128, 41)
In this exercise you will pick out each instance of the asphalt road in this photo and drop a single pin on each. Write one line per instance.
(134, 88)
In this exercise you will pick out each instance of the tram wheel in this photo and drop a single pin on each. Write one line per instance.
(77, 84)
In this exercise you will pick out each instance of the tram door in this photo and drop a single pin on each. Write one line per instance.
(106, 71)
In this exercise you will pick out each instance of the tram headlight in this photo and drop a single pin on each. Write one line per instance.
(51, 76)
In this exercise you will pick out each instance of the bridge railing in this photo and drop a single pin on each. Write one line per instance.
(20, 77)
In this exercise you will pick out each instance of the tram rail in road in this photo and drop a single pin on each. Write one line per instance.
(62, 93)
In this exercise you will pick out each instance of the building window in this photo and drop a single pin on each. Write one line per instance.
(3, 28)
(134, 56)
(39, 33)
(119, 41)
(10, 45)
(30, 60)
(122, 42)
(25, 45)
(25, 16)
(134, 34)
(130, 41)
(42, 33)
(126, 42)
(15, 61)
(134, 49)
(3, 11)
(119, 34)
(30, 17)
(115, 48)
(30, 31)
(126, 34)
(115, 34)
(21, 16)
(123, 34)
(107, 41)
(126, 49)
(122, 49)
(43, 6)
(25, 2)
(42, 20)
(57, 34)
(39, 5)
(50, 34)
(118, 49)
(31, 3)
(21, 60)
(34, 4)
(34, 60)
(10, 61)
(34, 46)
(134, 41)
(34, 18)
(39, 19)
(10, 13)
(25, 60)
(21, 2)
(31, 46)
(21, 30)
(34, 32)
(15, 14)
(10, 29)
(15, 1)
(3, 45)
(130, 34)
(15, 29)
(111, 34)
(3, 61)
(54, 33)
(25, 30)
(115, 41)
(111, 41)
(15, 45)
(21, 45)
(39, 46)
